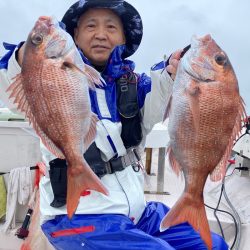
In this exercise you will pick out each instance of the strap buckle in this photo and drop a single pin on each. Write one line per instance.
(109, 167)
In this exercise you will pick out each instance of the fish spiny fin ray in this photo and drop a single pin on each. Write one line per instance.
(219, 172)
(193, 212)
(93, 76)
(17, 92)
(89, 138)
(15, 85)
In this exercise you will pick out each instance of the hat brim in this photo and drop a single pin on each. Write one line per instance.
(131, 20)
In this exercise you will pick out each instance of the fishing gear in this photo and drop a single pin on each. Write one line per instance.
(23, 231)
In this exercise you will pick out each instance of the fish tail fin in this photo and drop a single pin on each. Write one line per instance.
(83, 178)
(191, 211)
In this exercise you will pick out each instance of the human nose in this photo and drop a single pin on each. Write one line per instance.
(101, 33)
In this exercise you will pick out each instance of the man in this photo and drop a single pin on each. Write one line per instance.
(106, 33)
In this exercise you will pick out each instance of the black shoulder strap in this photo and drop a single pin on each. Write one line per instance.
(127, 100)
(128, 107)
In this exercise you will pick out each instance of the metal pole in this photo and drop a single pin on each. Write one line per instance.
(161, 170)
(148, 160)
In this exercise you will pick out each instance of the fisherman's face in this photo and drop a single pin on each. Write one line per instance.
(97, 33)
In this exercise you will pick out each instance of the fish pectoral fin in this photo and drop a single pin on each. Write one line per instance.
(89, 72)
(83, 179)
(94, 77)
(90, 137)
(72, 66)
(192, 94)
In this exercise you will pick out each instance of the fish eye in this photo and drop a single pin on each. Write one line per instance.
(37, 39)
(221, 59)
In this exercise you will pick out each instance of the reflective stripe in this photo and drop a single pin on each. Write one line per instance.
(102, 103)
(73, 231)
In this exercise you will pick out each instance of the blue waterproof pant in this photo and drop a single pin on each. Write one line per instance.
(118, 232)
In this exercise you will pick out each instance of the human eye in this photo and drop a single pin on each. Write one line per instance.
(111, 27)
(90, 25)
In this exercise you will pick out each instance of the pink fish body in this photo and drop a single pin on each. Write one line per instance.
(53, 91)
(205, 117)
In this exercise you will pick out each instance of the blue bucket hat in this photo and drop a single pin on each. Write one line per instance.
(131, 20)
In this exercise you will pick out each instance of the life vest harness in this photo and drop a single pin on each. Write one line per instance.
(131, 134)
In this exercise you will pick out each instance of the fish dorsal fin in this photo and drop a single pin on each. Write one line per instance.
(219, 172)
(90, 73)
(89, 138)
(192, 94)
(17, 93)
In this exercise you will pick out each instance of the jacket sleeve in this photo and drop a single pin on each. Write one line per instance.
(157, 92)
(9, 69)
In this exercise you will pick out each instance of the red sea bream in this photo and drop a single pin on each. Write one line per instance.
(205, 114)
(53, 91)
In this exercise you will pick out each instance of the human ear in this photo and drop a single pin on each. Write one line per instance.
(76, 33)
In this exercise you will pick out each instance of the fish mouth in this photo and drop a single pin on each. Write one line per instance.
(189, 69)
(199, 71)
(60, 42)
(48, 21)
(197, 77)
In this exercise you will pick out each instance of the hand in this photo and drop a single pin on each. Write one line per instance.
(173, 63)
(20, 53)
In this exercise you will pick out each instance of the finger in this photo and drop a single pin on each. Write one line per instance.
(171, 69)
(174, 62)
(176, 54)
(173, 76)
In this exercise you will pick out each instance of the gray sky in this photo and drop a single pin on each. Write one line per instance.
(168, 25)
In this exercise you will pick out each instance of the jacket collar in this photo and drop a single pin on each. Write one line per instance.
(116, 65)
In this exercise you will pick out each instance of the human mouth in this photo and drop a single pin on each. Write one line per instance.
(100, 47)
